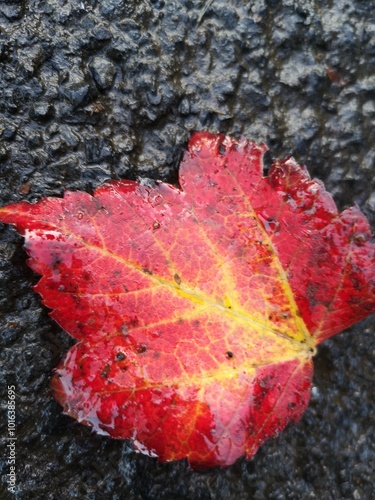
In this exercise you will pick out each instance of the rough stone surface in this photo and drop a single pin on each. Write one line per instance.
(91, 91)
(103, 72)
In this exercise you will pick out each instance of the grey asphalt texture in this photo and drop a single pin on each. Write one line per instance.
(98, 90)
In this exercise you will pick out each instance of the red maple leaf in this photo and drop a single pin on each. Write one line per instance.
(198, 309)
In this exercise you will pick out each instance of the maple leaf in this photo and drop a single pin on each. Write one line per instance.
(197, 310)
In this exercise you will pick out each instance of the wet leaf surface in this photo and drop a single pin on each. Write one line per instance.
(197, 309)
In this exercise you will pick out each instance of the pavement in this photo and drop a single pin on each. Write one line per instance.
(91, 91)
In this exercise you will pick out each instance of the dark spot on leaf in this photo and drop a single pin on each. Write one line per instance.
(177, 279)
(264, 383)
(141, 348)
(147, 271)
(120, 356)
(105, 371)
(229, 354)
(133, 322)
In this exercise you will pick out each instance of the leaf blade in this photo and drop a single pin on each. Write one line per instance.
(198, 309)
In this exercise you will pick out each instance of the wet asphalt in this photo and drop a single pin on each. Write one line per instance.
(91, 91)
